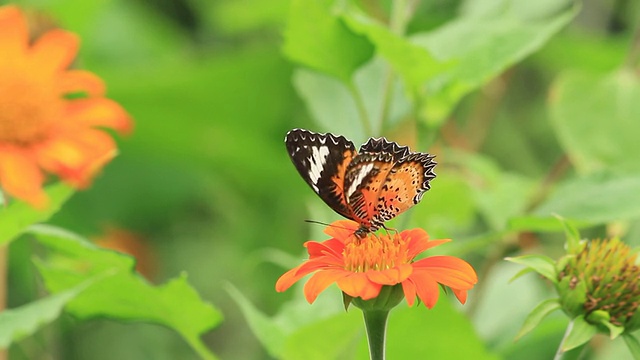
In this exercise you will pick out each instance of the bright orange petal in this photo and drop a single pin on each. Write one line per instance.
(391, 276)
(21, 177)
(418, 245)
(77, 81)
(77, 157)
(409, 289)
(461, 295)
(320, 281)
(426, 288)
(341, 229)
(14, 34)
(331, 246)
(448, 270)
(54, 51)
(289, 278)
(358, 285)
(100, 112)
(323, 263)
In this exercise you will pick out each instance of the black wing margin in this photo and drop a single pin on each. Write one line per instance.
(321, 160)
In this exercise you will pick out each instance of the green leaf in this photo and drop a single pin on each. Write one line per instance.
(18, 215)
(271, 335)
(343, 331)
(19, 323)
(594, 117)
(319, 39)
(484, 44)
(521, 273)
(541, 224)
(537, 314)
(580, 333)
(595, 199)
(632, 344)
(124, 294)
(541, 264)
(413, 62)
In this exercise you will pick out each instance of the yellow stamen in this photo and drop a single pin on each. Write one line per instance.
(375, 252)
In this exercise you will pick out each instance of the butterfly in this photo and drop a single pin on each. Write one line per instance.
(369, 186)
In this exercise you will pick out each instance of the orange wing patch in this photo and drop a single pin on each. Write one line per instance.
(402, 189)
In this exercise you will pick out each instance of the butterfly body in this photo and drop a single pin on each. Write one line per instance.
(370, 186)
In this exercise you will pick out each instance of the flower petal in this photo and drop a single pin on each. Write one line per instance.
(320, 281)
(448, 270)
(53, 52)
(99, 112)
(14, 34)
(21, 177)
(426, 287)
(75, 81)
(390, 276)
(289, 278)
(461, 295)
(409, 289)
(333, 247)
(341, 229)
(358, 285)
(77, 157)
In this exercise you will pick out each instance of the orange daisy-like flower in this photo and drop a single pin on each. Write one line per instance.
(361, 267)
(49, 115)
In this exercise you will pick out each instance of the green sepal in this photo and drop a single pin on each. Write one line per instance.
(632, 344)
(541, 264)
(603, 318)
(581, 332)
(346, 300)
(537, 314)
(388, 298)
(572, 300)
(572, 234)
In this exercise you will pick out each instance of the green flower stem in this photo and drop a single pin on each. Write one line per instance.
(560, 353)
(376, 324)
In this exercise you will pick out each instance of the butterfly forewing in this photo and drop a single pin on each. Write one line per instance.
(322, 160)
(364, 178)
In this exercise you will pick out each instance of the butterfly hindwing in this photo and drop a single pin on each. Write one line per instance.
(322, 160)
(404, 186)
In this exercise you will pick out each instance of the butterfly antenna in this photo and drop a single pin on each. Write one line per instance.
(325, 224)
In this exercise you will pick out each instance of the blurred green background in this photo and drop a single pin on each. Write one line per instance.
(204, 184)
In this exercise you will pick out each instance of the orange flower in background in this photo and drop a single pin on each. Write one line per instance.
(360, 267)
(50, 116)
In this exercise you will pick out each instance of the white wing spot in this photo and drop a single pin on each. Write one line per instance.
(361, 175)
(316, 164)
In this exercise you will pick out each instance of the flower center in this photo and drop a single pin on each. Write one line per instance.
(375, 252)
(612, 278)
(28, 108)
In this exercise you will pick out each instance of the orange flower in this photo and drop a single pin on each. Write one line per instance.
(49, 115)
(361, 267)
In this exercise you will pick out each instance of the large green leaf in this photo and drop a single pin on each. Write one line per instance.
(18, 215)
(595, 199)
(596, 119)
(317, 38)
(415, 63)
(485, 42)
(123, 294)
(18, 323)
